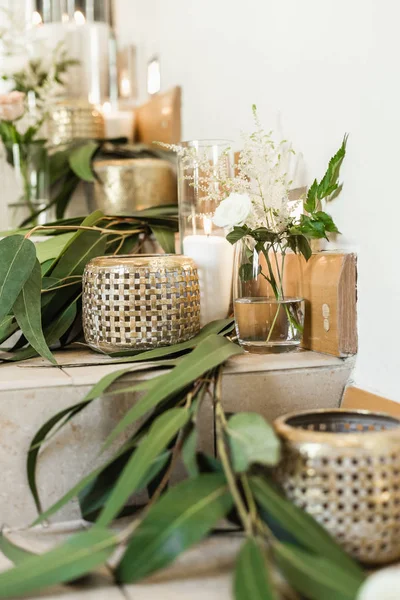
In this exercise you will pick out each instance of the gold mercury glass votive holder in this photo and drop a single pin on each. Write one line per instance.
(73, 121)
(126, 185)
(343, 468)
(140, 301)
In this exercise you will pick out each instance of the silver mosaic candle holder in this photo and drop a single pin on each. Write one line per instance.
(140, 301)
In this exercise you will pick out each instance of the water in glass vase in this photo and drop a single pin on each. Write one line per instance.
(267, 325)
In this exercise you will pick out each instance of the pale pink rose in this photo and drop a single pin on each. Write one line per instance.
(12, 106)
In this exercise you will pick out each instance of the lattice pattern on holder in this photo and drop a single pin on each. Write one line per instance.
(140, 302)
(349, 482)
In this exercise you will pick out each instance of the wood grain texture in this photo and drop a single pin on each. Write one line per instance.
(160, 118)
(328, 284)
(358, 399)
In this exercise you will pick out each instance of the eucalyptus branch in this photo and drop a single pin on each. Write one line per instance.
(77, 228)
(229, 474)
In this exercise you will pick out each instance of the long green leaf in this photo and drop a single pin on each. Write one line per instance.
(163, 430)
(13, 552)
(95, 495)
(61, 419)
(53, 247)
(182, 517)
(165, 237)
(252, 440)
(252, 579)
(211, 352)
(18, 256)
(27, 311)
(301, 525)
(315, 576)
(8, 326)
(80, 161)
(76, 557)
(52, 334)
(85, 247)
(189, 453)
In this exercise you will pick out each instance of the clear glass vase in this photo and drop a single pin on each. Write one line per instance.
(202, 170)
(269, 307)
(26, 184)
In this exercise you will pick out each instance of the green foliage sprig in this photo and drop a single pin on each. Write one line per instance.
(175, 518)
(41, 285)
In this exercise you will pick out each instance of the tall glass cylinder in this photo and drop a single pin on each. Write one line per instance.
(83, 28)
(204, 169)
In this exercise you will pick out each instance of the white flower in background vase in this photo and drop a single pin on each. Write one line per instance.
(383, 585)
(234, 210)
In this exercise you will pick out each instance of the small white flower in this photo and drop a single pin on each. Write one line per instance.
(234, 210)
(383, 585)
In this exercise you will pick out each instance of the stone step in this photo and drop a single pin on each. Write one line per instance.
(31, 392)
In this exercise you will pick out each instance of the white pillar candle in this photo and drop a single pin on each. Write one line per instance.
(213, 256)
(117, 123)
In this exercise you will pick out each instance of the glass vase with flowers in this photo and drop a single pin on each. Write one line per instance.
(271, 235)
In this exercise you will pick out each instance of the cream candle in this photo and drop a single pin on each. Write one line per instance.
(117, 123)
(213, 256)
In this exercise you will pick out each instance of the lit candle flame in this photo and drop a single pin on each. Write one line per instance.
(36, 18)
(207, 225)
(65, 18)
(125, 86)
(107, 108)
(79, 17)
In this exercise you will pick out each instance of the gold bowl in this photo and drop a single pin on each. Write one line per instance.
(343, 468)
(140, 301)
(123, 186)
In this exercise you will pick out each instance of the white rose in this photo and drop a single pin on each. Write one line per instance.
(234, 210)
(383, 585)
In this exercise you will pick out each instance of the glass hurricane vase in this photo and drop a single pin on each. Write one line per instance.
(203, 169)
(269, 307)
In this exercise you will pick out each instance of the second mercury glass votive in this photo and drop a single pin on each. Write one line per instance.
(140, 301)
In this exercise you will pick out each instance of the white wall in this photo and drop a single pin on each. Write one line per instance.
(325, 68)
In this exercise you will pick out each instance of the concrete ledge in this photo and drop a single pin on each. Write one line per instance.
(31, 392)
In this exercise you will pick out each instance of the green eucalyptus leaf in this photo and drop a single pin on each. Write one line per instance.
(162, 432)
(316, 576)
(14, 553)
(17, 259)
(8, 326)
(95, 495)
(189, 453)
(210, 353)
(165, 237)
(77, 556)
(180, 519)
(61, 200)
(52, 247)
(53, 425)
(220, 327)
(252, 440)
(237, 234)
(252, 581)
(80, 161)
(27, 312)
(86, 246)
(301, 526)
